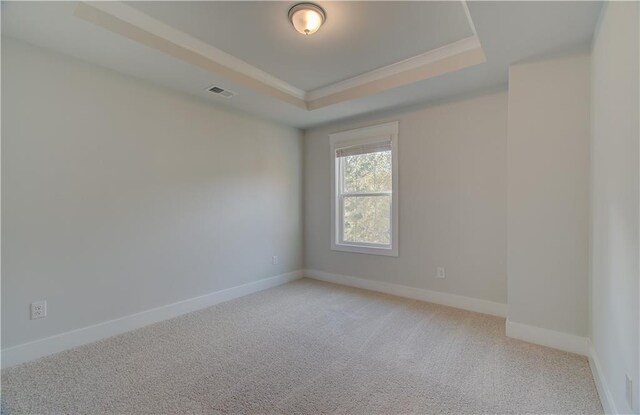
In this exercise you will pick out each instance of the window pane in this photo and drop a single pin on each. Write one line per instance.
(367, 219)
(369, 172)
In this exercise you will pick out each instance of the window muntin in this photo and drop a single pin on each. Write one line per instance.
(365, 196)
(364, 185)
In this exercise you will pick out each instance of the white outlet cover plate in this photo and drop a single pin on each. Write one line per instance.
(38, 310)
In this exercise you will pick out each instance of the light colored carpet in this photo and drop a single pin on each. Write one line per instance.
(308, 347)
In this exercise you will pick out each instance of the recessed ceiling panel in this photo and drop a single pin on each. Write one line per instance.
(357, 37)
(510, 32)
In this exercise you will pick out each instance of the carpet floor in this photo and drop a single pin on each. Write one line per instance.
(308, 347)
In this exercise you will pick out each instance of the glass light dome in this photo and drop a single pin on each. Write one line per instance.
(306, 17)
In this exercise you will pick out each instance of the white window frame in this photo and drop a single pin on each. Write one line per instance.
(350, 138)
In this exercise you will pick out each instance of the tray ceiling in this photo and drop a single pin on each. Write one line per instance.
(141, 41)
(357, 37)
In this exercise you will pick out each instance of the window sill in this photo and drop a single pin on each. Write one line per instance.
(365, 250)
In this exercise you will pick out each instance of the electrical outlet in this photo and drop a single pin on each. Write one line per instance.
(441, 273)
(629, 391)
(38, 310)
(274, 260)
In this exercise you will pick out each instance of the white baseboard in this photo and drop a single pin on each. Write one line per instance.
(452, 300)
(38, 348)
(550, 338)
(608, 404)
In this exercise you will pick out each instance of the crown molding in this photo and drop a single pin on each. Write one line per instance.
(135, 17)
(137, 26)
(415, 62)
(122, 19)
(467, 13)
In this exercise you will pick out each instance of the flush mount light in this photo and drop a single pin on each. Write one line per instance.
(306, 17)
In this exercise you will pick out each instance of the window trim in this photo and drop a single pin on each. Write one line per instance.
(355, 137)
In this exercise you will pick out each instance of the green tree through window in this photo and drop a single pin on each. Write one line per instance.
(366, 197)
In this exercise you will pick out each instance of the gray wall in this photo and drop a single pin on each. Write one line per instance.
(615, 207)
(548, 193)
(118, 196)
(452, 189)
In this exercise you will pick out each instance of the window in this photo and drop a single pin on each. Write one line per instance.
(364, 209)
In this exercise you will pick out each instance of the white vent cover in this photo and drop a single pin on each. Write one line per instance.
(221, 91)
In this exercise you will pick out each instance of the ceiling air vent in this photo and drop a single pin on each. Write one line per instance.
(220, 91)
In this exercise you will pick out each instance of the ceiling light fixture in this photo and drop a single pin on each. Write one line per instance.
(307, 17)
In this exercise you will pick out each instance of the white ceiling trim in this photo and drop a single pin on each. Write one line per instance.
(427, 58)
(127, 21)
(442, 66)
(145, 22)
(467, 13)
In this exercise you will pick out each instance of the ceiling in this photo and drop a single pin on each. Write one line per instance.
(367, 35)
(368, 57)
